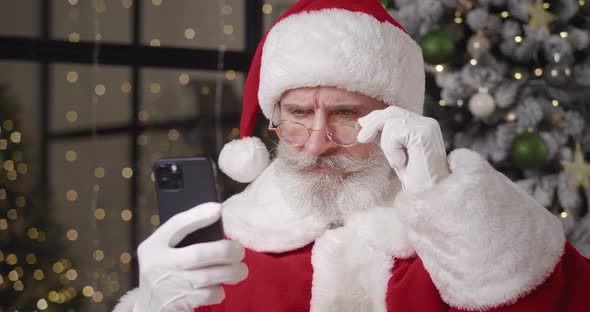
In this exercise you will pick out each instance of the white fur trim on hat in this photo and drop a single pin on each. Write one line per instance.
(243, 160)
(344, 49)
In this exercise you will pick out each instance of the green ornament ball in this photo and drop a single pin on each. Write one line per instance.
(437, 47)
(529, 151)
(387, 4)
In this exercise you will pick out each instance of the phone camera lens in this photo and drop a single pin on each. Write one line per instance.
(169, 177)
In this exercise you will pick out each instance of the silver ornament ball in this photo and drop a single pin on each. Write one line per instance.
(482, 105)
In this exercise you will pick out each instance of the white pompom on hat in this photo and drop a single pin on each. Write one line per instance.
(354, 45)
(245, 159)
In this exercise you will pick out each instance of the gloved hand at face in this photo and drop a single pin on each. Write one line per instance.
(180, 279)
(412, 144)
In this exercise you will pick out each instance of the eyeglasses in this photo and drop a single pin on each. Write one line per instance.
(297, 134)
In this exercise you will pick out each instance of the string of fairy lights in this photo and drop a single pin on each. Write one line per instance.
(103, 282)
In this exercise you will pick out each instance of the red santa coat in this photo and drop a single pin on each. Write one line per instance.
(475, 241)
(282, 282)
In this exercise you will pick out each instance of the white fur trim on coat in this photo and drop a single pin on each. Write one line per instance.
(380, 228)
(348, 274)
(127, 302)
(344, 49)
(484, 241)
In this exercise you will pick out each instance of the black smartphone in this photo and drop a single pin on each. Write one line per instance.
(183, 183)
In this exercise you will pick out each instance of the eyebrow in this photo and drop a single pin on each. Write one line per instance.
(293, 106)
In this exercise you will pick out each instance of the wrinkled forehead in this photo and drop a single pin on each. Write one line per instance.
(326, 97)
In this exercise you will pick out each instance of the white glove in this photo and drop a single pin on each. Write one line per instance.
(180, 279)
(412, 144)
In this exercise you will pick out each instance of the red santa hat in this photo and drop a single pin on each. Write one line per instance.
(354, 45)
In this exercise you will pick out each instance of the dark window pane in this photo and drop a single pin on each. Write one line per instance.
(75, 87)
(19, 88)
(189, 95)
(20, 18)
(90, 189)
(75, 20)
(272, 9)
(194, 24)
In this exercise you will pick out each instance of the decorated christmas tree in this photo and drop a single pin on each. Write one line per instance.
(510, 79)
(33, 276)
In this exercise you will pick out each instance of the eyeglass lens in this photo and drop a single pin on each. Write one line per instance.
(294, 133)
(298, 134)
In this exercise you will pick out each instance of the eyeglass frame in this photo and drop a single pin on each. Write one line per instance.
(327, 132)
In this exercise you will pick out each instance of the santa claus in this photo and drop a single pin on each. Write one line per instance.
(361, 209)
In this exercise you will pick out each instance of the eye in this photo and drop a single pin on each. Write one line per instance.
(346, 113)
(300, 112)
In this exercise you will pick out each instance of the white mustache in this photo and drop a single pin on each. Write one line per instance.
(304, 162)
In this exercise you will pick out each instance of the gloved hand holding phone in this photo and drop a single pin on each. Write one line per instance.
(180, 279)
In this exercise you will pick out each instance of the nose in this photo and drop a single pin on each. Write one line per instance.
(318, 142)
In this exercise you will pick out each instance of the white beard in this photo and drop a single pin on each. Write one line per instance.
(332, 197)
